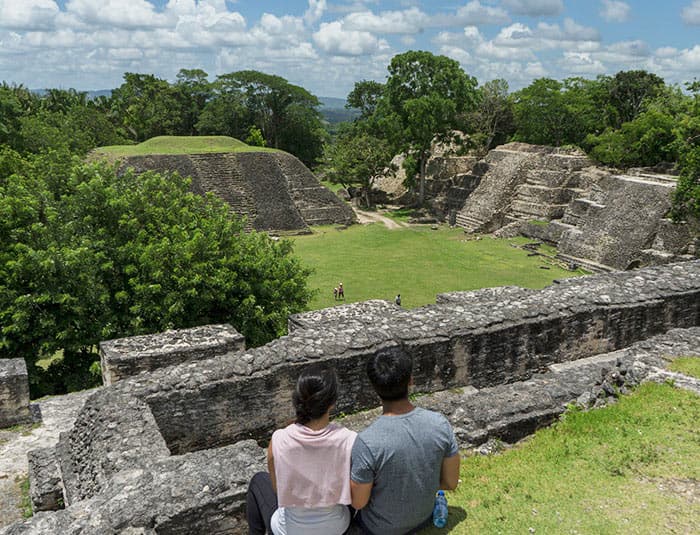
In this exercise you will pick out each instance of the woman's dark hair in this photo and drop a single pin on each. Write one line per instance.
(316, 391)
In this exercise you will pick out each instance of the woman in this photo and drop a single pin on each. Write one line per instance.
(309, 465)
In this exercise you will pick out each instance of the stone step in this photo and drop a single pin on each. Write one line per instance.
(468, 223)
(588, 265)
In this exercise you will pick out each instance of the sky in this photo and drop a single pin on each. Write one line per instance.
(326, 46)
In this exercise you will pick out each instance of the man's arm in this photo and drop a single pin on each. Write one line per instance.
(449, 472)
(360, 493)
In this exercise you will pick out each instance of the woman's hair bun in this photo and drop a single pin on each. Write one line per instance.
(315, 392)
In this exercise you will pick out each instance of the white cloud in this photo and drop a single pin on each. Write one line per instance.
(570, 31)
(28, 14)
(691, 13)
(615, 11)
(410, 21)
(535, 8)
(581, 63)
(333, 38)
(474, 13)
(118, 13)
(315, 11)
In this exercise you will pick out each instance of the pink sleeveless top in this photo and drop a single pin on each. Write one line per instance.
(312, 468)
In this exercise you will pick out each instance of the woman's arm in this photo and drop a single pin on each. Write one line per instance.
(271, 467)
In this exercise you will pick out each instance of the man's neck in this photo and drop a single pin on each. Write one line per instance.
(396, 407)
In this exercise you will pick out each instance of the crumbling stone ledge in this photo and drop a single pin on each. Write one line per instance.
(479, 340)
(205, 491)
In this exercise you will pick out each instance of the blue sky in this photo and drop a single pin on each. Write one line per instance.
(327, 45)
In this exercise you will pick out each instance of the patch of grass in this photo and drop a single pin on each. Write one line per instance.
(628, 468)
(374, 262)
(331, 185)
(23, 429)
(538, 222)
(25, 502)
(686, 365)
(179, 145)
(403, 215)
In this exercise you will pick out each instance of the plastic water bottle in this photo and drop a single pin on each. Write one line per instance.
(440, 510)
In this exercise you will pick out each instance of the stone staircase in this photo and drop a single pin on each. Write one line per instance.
(316, 204)
(221, 173)
(544, 195)
(468, 223)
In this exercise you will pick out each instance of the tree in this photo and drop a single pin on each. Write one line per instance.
(424, 95)
(493, 116)
(357, 160)
(540, 113)
(686, 199)
(193, 92)
(116, 256)
(286, 114)
(364, 97)
(628, 92)
(147, 106)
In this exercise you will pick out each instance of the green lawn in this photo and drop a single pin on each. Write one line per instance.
(179, 145)
(374, 262)
(631, 468)
(687, 365)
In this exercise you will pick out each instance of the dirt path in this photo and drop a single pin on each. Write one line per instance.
(57, 415)
(375, 217)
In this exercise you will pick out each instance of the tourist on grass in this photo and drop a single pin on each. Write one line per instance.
(341, 291)
(397, 299)
(307, 489)
(401, 460)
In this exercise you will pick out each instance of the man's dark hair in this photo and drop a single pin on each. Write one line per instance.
(316, 391)
(390, 372)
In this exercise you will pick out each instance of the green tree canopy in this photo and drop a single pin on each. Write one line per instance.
(425, 96)
(357, 159)
(95, 256)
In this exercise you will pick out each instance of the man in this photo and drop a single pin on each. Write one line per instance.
(401, 460)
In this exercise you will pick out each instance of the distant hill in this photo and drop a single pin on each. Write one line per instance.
(334, 111)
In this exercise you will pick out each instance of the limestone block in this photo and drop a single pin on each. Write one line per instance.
(45, 487)
(125, 357)
(14, 393)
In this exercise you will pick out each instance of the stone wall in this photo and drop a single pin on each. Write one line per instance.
(596, 218)
(125, 357)
(620, 223)
(273, 190)
(168, 435)
(14, 393)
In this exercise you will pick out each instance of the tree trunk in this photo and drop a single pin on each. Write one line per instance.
(421, 187)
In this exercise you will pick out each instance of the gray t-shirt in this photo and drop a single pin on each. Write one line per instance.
(402, 455)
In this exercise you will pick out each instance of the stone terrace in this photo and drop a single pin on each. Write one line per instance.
(161, 433)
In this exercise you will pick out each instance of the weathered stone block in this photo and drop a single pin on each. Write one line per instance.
(14, 393)
(125, 357)
(45, 487)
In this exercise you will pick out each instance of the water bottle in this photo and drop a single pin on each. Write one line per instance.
(440, 510)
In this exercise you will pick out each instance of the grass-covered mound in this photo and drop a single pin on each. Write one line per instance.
(632, 467)
(179, 145)
(374, 262)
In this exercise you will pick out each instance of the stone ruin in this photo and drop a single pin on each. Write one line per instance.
(273, 190)
(170, 451)
(597, 218)
(14, 393)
